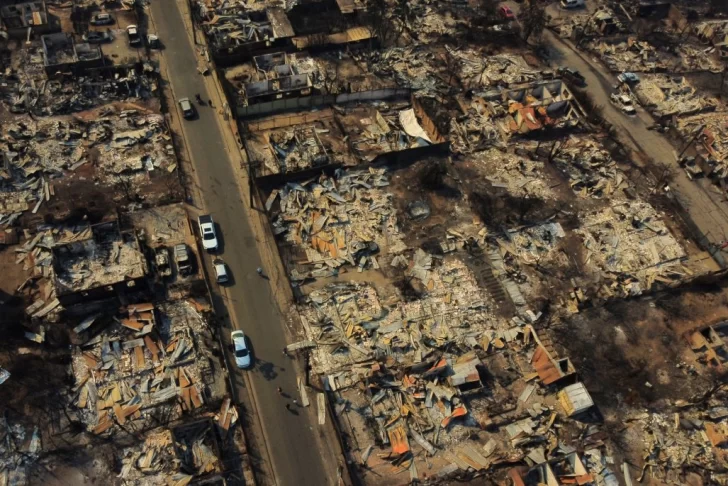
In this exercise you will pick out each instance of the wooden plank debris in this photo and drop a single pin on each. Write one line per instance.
(139, 356)
(321, 402)
(195, 396)
(302, 392)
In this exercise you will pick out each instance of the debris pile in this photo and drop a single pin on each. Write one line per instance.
(477, 72)
(632, 247)
(520, 176)
(589, 167)
(337, 221)
(144, 360)
(107, 257)
(26, 88)
(640, 56)
(124, 145)
(668, 96)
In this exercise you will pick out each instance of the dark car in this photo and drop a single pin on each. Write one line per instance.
(188, 111)
(102, 19)
(572, 75)
(133, 33)
(97, 37)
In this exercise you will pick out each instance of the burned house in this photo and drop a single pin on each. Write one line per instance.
(350, 134)
(236, 33)
(540, 106)
(106, 264)
(276, 79)
(62, 54)
(562, 471)
(21, 18)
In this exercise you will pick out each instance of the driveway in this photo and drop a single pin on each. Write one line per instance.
(292, 438)
(703, 201)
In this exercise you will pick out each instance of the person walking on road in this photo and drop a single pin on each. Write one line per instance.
(295, 402)
(280, 391)
(259, 270)
(288, 407)
(285, 352)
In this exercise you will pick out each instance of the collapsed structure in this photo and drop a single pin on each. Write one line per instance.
(101, 281)
(429, 283)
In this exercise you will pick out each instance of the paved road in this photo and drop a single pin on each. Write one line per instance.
(291, 438)
(706, 206)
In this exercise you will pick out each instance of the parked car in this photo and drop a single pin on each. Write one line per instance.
(629, 78)
(624, 102)
(572, 75)
(572, 3)
(188, 111)
(207, 230)
(182, 259)
(153, 41)
(221, 272)
(134, 38)
(161, 261)
(101, 19)
(506, 12)
(240, 349)
(94, 37)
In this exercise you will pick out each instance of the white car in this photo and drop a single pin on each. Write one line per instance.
(625, 103)
(221, 273)
(240, 347)
(207, 230)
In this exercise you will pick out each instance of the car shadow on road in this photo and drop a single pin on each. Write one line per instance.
(220, 240)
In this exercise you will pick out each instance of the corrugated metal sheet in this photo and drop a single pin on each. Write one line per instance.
(547, 371)
(575, 399)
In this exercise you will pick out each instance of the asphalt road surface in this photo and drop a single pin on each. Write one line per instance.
(291, 437)
(706, 206)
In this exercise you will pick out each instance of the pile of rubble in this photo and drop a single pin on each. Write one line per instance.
(632, 247)
(475, 71)
(145, 358)
(714, 137)
(106, 257)
(591, 170)
(413, 67)
(641, 56)
(667, 96)
(685, 438)
(341, 220)
(48, 97)
(123, 145)
(520, 176)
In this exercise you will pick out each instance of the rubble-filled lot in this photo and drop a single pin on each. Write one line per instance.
(642, 56)
(343, 135)
(667, 96)
(110, 371)
(443, 298)
(27, 88)
(120, 147)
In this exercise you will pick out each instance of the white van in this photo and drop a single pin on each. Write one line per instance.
(572, 3)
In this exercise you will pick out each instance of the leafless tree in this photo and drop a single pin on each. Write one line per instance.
(381, 23)
(533, 21)
(487, 12)
(665, 172)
